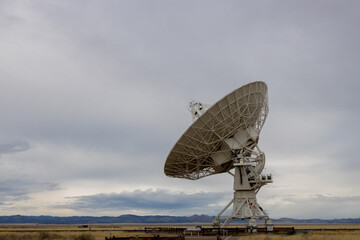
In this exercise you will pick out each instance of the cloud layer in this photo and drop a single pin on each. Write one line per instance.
(159, 200)
(93, 96)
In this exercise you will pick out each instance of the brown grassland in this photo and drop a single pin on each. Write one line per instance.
(99, 232)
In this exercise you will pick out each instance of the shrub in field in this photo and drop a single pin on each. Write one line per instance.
(49, 236)
(44, 235)
(3, 237)
(16, 236)
(84, 236)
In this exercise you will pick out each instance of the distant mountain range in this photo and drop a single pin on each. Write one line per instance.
(19, 219)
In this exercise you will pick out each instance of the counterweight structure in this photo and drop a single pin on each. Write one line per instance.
(224, 138)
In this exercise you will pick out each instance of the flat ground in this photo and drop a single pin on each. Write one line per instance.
(99, 232)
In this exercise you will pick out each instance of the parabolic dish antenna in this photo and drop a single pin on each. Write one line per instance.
(223, 137)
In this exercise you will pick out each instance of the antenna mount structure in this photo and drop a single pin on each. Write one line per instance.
(224, 138)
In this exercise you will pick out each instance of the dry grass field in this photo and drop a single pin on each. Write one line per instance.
(99, 232)
(341, 235)
(64, 232)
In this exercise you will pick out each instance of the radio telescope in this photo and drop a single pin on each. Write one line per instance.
(224, 138)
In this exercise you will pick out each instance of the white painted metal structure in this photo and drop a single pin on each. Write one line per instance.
(224, 137)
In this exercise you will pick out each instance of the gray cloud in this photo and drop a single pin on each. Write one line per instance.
(315, 205)
(158, 199)
(8, 146)
(14, 190)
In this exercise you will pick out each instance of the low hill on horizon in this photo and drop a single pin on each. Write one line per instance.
(161, 219)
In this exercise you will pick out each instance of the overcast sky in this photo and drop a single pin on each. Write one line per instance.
(93, 96)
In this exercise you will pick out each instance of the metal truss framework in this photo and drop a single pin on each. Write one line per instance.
(225, 137)
(201, 151)
(247, 182)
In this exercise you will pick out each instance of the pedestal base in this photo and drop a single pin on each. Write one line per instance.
(244, 206)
